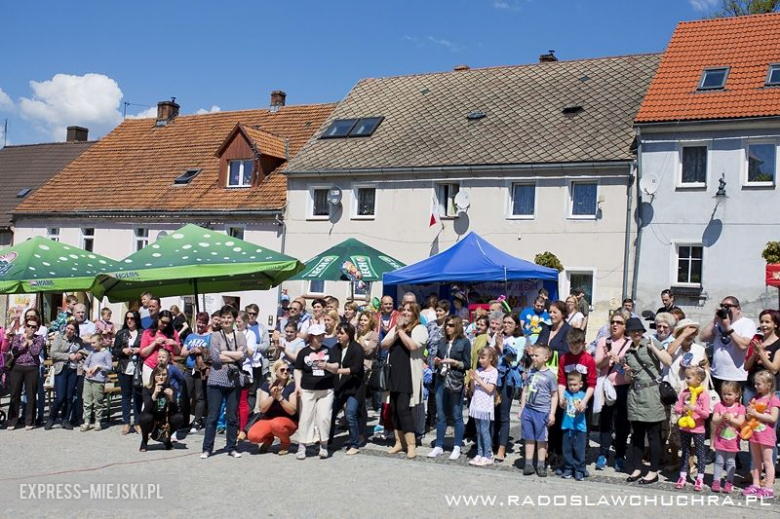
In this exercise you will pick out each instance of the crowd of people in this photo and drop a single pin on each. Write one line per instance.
(681, 403)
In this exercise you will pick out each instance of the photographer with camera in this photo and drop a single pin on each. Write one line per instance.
(160, 417)
(730, 334)
(227, 350)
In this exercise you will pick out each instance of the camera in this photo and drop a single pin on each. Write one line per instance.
(724, 313)
(234, 373)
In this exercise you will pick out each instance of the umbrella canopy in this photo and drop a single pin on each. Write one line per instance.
(195, 260)
(332, 264)
(42, 265)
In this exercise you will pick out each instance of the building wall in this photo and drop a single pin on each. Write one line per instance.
(118, 240)
(732, 230)
(401, 224)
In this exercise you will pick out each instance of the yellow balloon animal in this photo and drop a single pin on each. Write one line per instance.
(687, 421)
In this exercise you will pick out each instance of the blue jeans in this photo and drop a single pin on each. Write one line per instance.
(448, 404)
(574, 450)
(352, 414)
(132, 400)
(484, 438)
(64, 389)
(217, 395)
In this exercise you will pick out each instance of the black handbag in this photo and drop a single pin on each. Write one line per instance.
(665, 389)
(454, 381)
(379, 380)
(138, 376)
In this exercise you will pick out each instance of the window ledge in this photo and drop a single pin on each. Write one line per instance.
(237, 187)
(691, 187)
(581, 217)
(758, 185)
(363, 217)
(318, 218)
(687, 289)
(521, 217)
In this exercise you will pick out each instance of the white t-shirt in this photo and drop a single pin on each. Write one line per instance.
(728, 361)
(673, 375)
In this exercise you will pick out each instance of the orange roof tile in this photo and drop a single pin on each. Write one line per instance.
(134, 166)
(746, 44)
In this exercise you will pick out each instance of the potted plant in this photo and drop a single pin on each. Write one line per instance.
(771, 255)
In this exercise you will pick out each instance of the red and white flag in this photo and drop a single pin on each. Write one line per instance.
(435, 218)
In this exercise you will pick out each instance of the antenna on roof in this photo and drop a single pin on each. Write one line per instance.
(5, 132)
(126, 104)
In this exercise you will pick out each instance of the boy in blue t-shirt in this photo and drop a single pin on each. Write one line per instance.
(575, 429)
(537, 410)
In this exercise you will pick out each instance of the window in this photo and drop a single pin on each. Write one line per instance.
(240, 173)
(339, 128)
(584, 280)
(342, 128)
(773, 78)
(53, 233)
(446, 198)
(584, 202)
(523, 200)
(363, 293)
(317, 286)
(187, 176)
(689, 264)
(318, 200)
(365, 127)
(694, 166)
(88, 238)
(761, 163)
(141, 237)
(365, 202)
(236, 232)
(713, 78)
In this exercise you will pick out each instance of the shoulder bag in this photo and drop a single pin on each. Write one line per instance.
(453, 379)
(665, 389)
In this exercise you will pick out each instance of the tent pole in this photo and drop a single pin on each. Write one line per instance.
(197, 306)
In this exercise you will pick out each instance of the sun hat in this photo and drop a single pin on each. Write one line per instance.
(683, 324)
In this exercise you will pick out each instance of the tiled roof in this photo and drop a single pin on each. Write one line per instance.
(30, 166)
(747, 44)
(266, 142)
(426, 125)
(134, 166)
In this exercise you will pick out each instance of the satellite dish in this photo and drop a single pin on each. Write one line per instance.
(649, 184)
(462, 201)
(334, 196)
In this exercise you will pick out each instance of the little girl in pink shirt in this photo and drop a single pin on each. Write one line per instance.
(692, 424)
(727, 417)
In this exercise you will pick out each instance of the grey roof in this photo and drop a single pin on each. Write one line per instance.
(426, 125)
(31, 166)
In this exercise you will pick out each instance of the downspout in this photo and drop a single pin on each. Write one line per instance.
(627, 244)
(638, 243)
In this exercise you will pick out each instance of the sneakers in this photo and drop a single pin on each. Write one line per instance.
(767, 493)
(48, 425)
(578, 476)
(476, 461)
(716, 486)
(323, 453)
(84, 427)
(455, 454)
(601, 463)
(752, 490)
(436, 452)
(234, 454)
(204, 455)
(352, 451)
(283, 450)
(728, 488)
(486, 462)
(559, 471)
(301, 453)
(97, 427)
(196, 426)
(680, 483)
(528, 470)
(67, 425)
(566, 474)
(619, 465)
(697, 486)
(541, 472)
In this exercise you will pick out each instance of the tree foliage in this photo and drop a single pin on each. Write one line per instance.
(548, 259)
(746, 7)
(772, 253)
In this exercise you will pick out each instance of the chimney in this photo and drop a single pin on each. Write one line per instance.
(548, 58)
(77, 134)
(278, 99)
(460, 68)
(167, 111)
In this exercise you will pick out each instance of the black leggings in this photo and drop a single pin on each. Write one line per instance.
(149, 421)
(615, 418)
(401, 412)
(651, 430)
(698, 442)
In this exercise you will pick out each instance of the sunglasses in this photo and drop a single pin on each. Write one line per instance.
(726, 305)
(251, 313)
(617, 322)
(129, 318)
(166, 323)
(32, 326)
(284, 370)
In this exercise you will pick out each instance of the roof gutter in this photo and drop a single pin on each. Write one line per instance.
(693, 122)
(151, 213)
(462, 169)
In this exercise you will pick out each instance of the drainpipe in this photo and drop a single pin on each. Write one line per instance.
(638, 245)
(627, 244)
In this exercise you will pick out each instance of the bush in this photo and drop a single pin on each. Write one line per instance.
(548, 259)
(772, 252)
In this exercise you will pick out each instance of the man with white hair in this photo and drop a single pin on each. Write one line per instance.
(86, 327)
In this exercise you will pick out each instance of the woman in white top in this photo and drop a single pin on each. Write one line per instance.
(288, 344)
(429, 310)
(575, 319)
(253, 365)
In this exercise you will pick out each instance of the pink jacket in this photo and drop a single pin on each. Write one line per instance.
(701, 411)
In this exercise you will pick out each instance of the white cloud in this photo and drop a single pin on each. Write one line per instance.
(431, 40)
(507, 5)
(149, 112)
(213, 109)
(5, 102)
(91, 100)
(704, 5)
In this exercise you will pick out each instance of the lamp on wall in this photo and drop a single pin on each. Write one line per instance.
(721, 192)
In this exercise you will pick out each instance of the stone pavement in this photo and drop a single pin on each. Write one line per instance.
(41, 471)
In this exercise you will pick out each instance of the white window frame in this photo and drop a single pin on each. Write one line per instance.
(570, 199)
(443, 207)
(239, 227)
(53, 233)
(310, 203)
(511, 199)
(143, 238)
(675, 258)
(86, 237)
(567, 286)
(241, 175)
(693, 185)
(308, 291)
(746, 161)
(355, 202)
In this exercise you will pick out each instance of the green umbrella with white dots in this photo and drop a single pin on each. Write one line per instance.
(42, 265)
(193, 261)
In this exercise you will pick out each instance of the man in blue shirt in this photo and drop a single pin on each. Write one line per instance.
(532, 319)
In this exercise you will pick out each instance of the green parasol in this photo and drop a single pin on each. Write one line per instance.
(350, 260)
(195, 260)
(42, 265)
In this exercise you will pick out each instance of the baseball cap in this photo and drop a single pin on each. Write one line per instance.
(285, 297)
(316, 329)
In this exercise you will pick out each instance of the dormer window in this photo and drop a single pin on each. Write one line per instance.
(714, 78)
(773, 79)
(240, 173)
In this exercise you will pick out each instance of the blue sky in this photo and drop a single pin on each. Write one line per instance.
(64, 63)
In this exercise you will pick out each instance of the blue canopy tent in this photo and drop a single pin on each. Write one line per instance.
(471, 260)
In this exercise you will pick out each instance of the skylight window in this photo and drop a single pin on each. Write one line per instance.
(774, 75)
(365, 127)
(714, 78)
(340, 128)
(475, 115)
(187, 176)
(24, 192)
(573, 108)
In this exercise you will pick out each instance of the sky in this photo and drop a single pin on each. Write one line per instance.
(78, 63)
